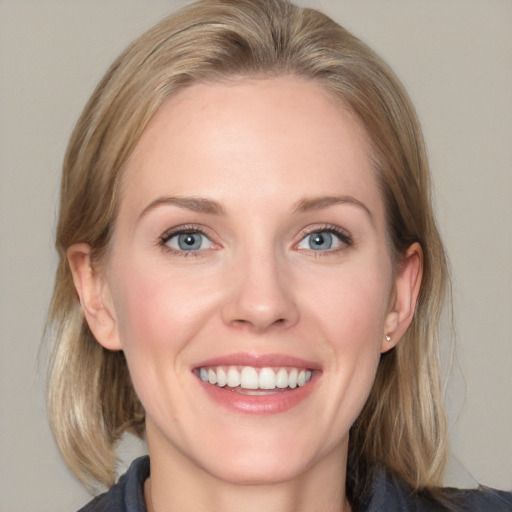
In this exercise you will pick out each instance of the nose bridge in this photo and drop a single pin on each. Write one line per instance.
(261, 295)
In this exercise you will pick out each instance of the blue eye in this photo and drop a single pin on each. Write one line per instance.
(189, 242)
(323, 241)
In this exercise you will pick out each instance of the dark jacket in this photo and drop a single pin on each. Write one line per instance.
(386, 495)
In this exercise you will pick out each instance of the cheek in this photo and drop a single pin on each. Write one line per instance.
(156, 312)
(350, 308)
(352, 301)
(158, 317)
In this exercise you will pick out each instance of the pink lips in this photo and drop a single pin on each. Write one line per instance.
(259, 361)
(265, 404)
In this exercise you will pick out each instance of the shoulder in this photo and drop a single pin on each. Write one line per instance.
(127, 495)
(483, 498)
(391, 494)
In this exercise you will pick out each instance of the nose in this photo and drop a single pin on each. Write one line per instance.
(261, 295)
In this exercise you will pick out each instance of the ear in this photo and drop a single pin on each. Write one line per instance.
(95, 297)
(406, 291)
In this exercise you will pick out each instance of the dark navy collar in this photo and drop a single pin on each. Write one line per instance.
(387, 495)
(127, 495)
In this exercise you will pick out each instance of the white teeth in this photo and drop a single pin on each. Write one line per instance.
(212, 377)
(292, 378)
(250, 378)
(233, 379)
(222, 377)
(267, 379)
(282, 378)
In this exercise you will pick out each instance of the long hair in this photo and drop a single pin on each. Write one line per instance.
(91, 400)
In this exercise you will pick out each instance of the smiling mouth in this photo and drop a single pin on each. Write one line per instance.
(254, 381)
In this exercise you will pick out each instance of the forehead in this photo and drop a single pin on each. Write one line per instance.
(252, 139)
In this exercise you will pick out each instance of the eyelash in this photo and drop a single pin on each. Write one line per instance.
(182, 230)
(344, 236)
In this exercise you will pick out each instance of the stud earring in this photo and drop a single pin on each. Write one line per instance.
(388, 338)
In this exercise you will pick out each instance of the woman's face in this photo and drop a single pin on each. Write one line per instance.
(250, 250)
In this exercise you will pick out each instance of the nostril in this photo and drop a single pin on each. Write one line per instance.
(241, 323)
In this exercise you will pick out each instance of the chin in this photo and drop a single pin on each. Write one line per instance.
(266, 459)
(261, 469)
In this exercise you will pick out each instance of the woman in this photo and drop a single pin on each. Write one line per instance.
(245, 219)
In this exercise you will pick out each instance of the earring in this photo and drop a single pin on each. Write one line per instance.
(388, 338)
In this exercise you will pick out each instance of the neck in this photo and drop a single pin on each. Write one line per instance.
(177, 484)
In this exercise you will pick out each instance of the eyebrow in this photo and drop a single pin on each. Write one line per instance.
(203, 205)
(196, 204)
(317, 203)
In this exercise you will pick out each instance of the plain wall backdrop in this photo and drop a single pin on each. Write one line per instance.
(455, 58)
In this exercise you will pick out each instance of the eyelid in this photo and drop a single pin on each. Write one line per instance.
(184, 229)
(344, 236)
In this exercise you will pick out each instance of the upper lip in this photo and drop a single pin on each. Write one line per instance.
(258, 361)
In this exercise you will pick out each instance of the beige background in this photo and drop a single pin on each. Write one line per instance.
(455, 57)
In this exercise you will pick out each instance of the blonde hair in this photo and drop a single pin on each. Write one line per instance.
(91, 400)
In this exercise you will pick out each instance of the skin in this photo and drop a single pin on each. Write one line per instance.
(259, 149)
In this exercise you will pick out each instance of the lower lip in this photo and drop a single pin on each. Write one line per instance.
(259, 404)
